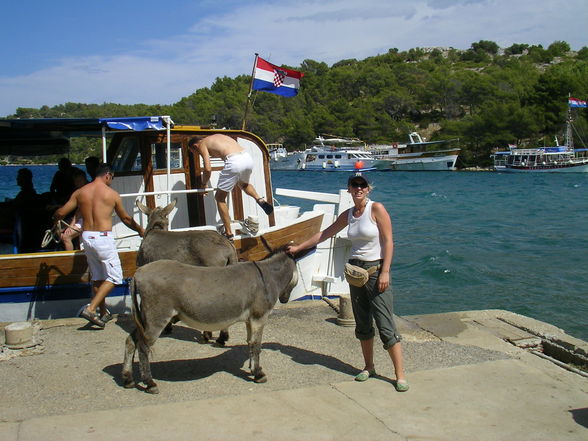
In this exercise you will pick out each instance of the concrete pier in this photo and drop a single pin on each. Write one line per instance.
(473, 376)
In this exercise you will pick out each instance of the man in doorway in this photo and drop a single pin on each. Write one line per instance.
(237, 171)
(96, 202)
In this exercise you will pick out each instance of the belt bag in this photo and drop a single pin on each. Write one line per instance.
(358, 276)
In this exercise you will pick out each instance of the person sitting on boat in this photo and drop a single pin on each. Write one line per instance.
(76, 222)
(92, 163)
(96, 202)
(372, 246)
(237, 171)
(62, 185)
(29, 220)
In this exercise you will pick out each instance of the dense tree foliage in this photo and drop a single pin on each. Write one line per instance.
(486, 96)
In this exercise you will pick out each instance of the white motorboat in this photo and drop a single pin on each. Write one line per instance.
(336, 154)
(417, 155)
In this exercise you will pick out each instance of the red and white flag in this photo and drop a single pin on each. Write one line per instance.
(575, 102)
(279, 80)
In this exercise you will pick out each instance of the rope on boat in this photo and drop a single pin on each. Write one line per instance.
(54, 234)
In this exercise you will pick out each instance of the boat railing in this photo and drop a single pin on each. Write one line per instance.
(342, 201)
(310, 195)
(168, 192)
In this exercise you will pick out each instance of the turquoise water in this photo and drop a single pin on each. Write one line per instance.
(466, 240)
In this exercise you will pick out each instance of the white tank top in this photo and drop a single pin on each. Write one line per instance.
(364, 235)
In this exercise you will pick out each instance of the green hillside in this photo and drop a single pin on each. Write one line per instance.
(486, 96)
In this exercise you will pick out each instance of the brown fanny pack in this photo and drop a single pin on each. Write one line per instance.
(358, 276)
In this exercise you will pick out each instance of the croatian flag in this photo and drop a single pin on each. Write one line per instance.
(271, 78)
(575, 102)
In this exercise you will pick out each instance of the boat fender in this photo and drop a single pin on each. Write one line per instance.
(337, 164)
(324, 165)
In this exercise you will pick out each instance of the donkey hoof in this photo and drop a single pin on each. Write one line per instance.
(206, 337)
(260, 378)
(152, 390)
(129, 385)
(223, 337)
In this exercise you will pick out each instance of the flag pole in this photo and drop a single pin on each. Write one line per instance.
(244, 125)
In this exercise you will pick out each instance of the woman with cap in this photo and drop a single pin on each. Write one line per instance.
(370, 232)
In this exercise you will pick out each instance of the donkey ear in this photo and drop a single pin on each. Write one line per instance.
(167, 210)
(143, 208)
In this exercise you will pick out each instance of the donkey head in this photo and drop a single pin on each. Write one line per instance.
(158, 217)
(285, 294)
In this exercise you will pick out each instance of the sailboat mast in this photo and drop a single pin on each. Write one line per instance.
(569, 135)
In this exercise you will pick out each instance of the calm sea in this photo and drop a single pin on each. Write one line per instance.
(466, 240)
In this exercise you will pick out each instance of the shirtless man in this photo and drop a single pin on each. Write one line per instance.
(237, 170)
(96, 202)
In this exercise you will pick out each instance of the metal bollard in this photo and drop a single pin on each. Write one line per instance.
(345, 317)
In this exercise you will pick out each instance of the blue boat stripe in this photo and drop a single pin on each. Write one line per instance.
(25, 294)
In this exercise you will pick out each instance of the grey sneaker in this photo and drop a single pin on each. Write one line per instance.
(250, 226)
(106, 317)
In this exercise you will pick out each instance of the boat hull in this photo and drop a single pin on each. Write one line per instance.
(285, 163)
(332, 168)
(583, 168)
(57, 284)
(442, 163)
(421, 161)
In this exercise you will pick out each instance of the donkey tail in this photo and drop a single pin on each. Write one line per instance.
(136, 309)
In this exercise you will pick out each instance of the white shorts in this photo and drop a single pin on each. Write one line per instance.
(238, 168)
(102, 256)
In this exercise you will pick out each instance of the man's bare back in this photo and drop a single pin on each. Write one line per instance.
(219, 146)
(97, 202)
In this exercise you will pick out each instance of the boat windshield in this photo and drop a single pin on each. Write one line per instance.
(159, 156)
(128, 155)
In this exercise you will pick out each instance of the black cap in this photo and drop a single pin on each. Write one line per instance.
(357, 179)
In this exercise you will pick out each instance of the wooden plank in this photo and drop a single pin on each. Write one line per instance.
(252, 248)
(44, 270)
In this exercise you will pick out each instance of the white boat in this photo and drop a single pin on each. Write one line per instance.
(336, 154)
(417, 155)
(281, 159)
(152, 163)
(555, 159)
(276, 151)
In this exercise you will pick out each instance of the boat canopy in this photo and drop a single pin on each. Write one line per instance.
(50, 136)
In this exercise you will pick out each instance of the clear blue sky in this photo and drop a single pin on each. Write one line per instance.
(157, 52)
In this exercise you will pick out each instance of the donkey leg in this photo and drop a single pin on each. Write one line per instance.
(154, 326)
(169, 327)
(254, 340)
(223, 337)
(127, 369)
(145, 368)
